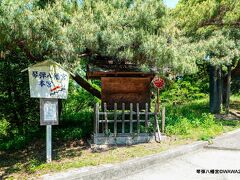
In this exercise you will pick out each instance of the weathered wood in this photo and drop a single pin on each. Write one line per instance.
(155, 117)
(146, 117)
(120, 120)
(123, 117)
(86, 85)
(99, 74)
(138, 117)
(163, 119)
(131, 117)
(105, 116)
(157, 125)
(125, 90)
(96, 110)
(126, 113)
(115, 119)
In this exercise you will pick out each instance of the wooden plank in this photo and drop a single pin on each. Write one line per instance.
(105, 117)
(131, 117)
(163, 119)
(120, 121)
(115, 119)
(126, 113)
(123, 117)
(99, 74)
(146, 117)
(138, 117)
(125, 90)
(96, 110)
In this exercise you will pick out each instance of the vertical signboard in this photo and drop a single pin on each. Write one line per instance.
(48, 80)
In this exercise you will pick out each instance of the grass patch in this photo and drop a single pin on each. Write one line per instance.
(185, 123)
(75, 157)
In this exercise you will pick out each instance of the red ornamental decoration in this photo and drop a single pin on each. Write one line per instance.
(159, 83)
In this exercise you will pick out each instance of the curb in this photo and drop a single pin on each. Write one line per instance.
(112, 171)
(227, 135)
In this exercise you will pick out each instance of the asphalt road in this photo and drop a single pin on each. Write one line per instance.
(219, 160)
(211, 162)
(192, 166)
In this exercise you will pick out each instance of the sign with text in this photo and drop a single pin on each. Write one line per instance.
(48, 80)
(48, 112)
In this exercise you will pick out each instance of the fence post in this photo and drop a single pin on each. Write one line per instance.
(131, 117)
(105, 116)
(123, 118)
(146, 117)
(156, 125)
(115, 119)
(96, 111)
(138, 118)
(163, 119)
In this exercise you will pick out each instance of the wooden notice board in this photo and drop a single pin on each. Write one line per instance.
(125, 90)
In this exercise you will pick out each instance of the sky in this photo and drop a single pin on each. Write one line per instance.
(170, 3)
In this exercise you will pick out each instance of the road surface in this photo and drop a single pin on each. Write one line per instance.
(221, 160)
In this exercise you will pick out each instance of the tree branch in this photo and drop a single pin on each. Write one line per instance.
(87, 86)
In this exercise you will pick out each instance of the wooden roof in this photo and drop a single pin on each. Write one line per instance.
(128, 70)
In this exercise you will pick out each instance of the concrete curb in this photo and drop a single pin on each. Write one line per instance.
(227, 135)
(111, 171)
(220, 141)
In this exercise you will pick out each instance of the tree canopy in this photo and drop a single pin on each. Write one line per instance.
(69, 31)
(214, 25)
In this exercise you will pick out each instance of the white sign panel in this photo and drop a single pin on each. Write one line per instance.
(48, 80)
(48, 111)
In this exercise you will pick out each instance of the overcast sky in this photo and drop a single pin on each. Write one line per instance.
(170, 3)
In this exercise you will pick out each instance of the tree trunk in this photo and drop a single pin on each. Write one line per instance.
(88, 87)
(228, 89)
(219, 89)
(215, 89)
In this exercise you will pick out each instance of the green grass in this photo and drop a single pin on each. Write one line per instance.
(193, 120)
(185, 123)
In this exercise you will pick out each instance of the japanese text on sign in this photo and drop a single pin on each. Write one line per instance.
(48, 82)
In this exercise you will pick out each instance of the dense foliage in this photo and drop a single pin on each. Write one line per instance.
(75, 33)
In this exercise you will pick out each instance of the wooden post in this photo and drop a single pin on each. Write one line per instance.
(163, 119)
(155, 117)
(131, 117)
(146, 117)
(96, 111)
(138, 119)
(123, 118)
(157, 125)
(115, 119)
(105, 116)
(158, 101)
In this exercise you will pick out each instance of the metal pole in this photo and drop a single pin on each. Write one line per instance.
(49, 143)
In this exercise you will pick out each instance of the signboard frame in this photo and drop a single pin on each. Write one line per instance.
(43, 104)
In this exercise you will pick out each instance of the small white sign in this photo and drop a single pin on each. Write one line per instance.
(48, 80)
(48, 111)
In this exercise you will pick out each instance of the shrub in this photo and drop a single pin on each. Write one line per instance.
(4, 126)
